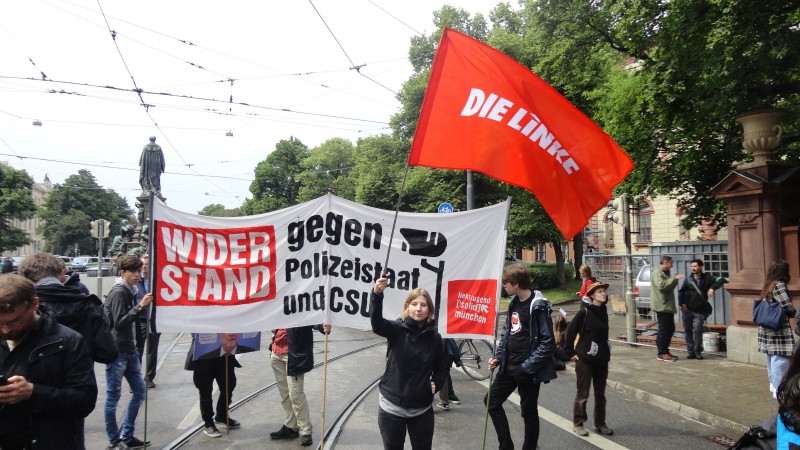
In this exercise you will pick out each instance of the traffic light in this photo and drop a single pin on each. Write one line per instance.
(619, 210)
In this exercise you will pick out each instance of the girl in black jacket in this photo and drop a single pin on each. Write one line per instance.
(415, 369)
(591, 357)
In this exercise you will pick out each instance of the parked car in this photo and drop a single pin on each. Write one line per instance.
(67, 261)
(17, 260)
(79, 263)
(105, 267)
(641, 290)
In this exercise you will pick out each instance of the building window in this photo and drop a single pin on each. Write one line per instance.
(541, 254)
(644, 223)
(716, 265)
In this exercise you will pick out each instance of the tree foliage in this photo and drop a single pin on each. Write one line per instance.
(71, 206)
(16, 203)
(326, 169)
(219, 210)
(276, 185)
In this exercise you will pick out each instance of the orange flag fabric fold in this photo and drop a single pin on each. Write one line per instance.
(484, 111)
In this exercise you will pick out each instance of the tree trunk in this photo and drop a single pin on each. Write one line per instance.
(577, 250)
(559, 252)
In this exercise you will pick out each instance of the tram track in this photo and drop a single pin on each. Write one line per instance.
(190, 433)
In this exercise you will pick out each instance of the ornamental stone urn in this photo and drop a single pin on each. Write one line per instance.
(762, 133)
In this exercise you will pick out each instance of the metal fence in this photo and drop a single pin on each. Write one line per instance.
(611, 269)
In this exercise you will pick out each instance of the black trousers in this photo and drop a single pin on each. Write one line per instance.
(205, 373)
(666, 328)
(393, 430)
(504, 384)
(152, 356)
(588, 375)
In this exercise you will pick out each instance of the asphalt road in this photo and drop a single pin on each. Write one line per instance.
(172, 407)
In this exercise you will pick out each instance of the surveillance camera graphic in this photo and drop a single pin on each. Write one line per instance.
(423, 243)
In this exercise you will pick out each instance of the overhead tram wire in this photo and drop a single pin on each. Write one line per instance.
(192, 44)
(146, 106)
(106, 166)
(353, 65)
(191, 97)
(395, 18)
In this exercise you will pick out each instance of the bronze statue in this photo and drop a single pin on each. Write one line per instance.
(151, 166)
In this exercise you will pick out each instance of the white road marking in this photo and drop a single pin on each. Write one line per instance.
(593, 438)
(194, 412)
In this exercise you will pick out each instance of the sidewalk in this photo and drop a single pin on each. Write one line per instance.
(721, 393)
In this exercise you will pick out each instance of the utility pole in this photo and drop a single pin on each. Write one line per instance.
(621, 215)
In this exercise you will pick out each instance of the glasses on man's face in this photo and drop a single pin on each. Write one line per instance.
(17, 322)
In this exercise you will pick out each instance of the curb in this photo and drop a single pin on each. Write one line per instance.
(674, 406)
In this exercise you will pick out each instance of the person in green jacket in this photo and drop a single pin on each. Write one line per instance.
(662, 301)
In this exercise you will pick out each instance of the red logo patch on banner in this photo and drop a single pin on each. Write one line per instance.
(205, 267)
(484, 111)
(471, 306)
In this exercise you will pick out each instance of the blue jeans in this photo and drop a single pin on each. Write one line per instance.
(127, 365)
(777, 365)
(693, 331)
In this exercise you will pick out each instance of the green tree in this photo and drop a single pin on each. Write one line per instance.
(327, 170)
(682, 71)
(378, 172)
(276, 185)
(16, 203)
(218, 210)
(69, 209)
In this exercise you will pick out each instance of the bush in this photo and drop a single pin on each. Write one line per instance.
(543, 275)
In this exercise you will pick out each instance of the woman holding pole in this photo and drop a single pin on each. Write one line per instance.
(415, 369)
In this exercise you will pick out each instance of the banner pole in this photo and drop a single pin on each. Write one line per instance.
(227, 389)
(151, 306)
(324, 389)
(394, 222)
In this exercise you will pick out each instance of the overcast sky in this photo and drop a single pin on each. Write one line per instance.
(60, 66)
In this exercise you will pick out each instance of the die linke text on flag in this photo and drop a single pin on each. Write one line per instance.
(484, 111)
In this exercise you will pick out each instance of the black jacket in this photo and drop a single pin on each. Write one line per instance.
(65, 389)
(540, 362)
(414, 358)
(120, 311)
(695, 301)
(300, 341)
(591, 323)
(83, 314)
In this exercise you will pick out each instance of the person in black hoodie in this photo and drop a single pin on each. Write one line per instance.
(70, 306)
(591, 357)
(524, 357)
(415, 369)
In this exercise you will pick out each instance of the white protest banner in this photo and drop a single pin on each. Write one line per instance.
(317, 262)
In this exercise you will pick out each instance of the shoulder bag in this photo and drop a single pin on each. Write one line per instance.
(768, 314)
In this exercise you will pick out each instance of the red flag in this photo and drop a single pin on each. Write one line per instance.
(484, 111)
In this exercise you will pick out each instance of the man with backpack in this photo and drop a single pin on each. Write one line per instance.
(70, 306)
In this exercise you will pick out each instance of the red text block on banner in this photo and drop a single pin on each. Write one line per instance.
(214, 267)
(471, 306)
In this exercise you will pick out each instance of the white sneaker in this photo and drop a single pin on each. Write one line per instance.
(212, 431)
(443, 406)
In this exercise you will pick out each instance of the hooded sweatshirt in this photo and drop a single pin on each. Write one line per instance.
(120, 310)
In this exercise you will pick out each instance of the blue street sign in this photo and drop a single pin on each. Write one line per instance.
(445, 208)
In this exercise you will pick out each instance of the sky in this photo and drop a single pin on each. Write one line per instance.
(197, 63)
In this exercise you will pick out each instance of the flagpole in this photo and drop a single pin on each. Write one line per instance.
(394, 222)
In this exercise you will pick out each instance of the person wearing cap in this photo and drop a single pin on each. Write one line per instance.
(591, 356)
